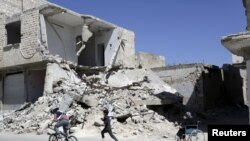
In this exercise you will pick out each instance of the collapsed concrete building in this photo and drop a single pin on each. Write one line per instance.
(238, 44)
(33, 30)
(204, 87)
(197, 83)
(51, 56)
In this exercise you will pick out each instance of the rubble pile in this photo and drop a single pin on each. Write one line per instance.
(124, 93)
(34, 117)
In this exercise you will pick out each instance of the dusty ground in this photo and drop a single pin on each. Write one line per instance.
(34, 137)
(228, 115)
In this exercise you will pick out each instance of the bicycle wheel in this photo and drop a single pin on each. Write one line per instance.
(177, 138)
(53, 137)
(72, 138)
(197, 135)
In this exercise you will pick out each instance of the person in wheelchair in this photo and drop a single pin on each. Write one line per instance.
(188, 126)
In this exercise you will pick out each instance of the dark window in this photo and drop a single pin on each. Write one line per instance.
(13, 32)
(100, 54)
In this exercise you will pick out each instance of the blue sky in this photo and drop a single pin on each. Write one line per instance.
(187, 31)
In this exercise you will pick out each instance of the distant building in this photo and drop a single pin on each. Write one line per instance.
(148, 60)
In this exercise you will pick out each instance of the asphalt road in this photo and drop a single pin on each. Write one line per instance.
(33, 137)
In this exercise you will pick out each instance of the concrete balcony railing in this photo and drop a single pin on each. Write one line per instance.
(238, 44)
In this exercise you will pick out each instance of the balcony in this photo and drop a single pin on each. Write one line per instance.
(238, 44)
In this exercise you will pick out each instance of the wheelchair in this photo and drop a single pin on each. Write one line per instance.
(190, 133)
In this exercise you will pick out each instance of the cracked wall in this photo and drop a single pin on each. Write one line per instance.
(61, 40)
(199, 85)
(126, 54)
(15, 60)
(118, 39)
(26, 52)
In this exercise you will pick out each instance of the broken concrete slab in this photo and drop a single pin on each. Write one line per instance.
(91, 101)
(54, 73)
(127, 77)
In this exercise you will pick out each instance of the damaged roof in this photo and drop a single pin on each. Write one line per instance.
(181, 66)
(69, 17)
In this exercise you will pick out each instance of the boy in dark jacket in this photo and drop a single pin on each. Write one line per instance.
(107, 126)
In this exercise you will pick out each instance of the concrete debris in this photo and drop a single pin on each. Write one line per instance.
(123, 78)
(84, 99)
(24, 106)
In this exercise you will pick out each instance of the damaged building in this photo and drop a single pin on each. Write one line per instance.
(199, 84)
(148, 60)
(205, 87)
(53, 57)
(33, 31)
(239, 44)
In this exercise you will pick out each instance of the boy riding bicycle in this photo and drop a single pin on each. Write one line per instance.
(61, 119)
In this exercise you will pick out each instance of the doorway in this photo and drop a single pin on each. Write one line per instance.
(14, 94)
(100, 54)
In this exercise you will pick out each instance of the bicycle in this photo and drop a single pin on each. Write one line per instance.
(191, 133)
(62, 136)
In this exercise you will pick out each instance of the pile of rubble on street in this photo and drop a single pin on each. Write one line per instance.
(125, 92)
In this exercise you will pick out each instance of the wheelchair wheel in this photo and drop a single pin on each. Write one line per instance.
(197, 135)
(177, 138)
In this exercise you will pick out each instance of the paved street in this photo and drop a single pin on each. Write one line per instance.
(33, 137)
